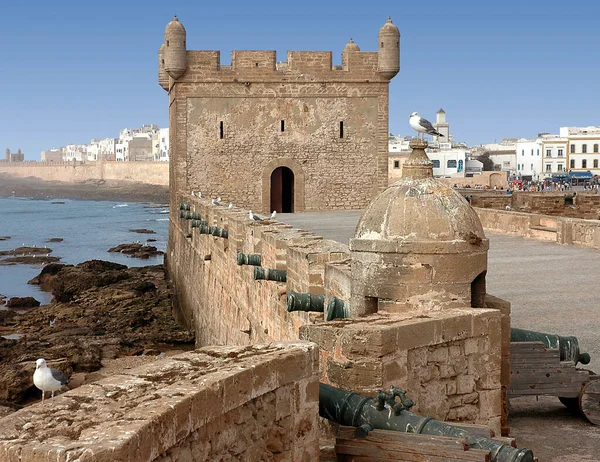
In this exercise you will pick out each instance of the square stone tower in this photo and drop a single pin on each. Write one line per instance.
(301, 135)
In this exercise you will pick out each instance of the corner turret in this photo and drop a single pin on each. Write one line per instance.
(175, 53)
(350, 47)
(388, 63)
(163, 77)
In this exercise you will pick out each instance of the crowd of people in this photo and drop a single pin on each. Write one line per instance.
(541, 186)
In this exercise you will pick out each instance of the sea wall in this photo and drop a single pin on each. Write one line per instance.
(156, 173)
(216, 403)
(562, 230)
(449, 361)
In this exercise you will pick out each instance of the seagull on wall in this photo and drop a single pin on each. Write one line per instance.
(253, 217)
(47, 378)
(216, 201)
(422, 125)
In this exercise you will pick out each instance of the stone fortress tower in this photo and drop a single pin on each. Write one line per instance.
(289, 136)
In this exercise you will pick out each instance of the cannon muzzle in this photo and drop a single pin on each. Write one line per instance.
(568, 347)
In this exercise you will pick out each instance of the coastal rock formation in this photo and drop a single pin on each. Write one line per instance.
(142, 231)
(55, 239)
(27, 256)
(4, 238)
(137, 250)
(106, 310)
(22, 302)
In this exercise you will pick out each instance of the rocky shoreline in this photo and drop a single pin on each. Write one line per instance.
(100, 311)
(11, 186)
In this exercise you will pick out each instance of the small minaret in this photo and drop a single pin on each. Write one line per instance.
(7, 155)
(388, 63)
(174, 52)
(350, 47)
(442, 126)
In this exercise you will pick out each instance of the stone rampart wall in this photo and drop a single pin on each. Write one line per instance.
(564, 204)
(225, 305)
(567, 231)
(75, 172)
(217, 403)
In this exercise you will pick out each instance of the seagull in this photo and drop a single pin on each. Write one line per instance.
(230, 206)
(273, 213)
(47, 378)
(200, 195)
(254, 217)
(216, 201)
(422, 125)
(193, 193)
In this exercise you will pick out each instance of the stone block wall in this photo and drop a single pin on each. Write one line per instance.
(75, 172)
(225, 305)
(566, 231)
(448, 363)
(217, 403)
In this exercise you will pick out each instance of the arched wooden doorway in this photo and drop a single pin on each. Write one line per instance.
(282, 190)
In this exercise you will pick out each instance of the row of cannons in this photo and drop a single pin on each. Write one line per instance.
(541, 364)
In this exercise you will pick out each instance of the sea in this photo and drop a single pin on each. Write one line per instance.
(88, 230)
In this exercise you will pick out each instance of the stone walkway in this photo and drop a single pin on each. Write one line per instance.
(552, 288)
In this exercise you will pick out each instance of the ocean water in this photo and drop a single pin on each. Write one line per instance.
(89, 229)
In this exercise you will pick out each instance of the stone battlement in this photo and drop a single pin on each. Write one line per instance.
(246, 403)
(223, 302)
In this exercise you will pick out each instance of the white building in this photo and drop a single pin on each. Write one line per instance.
(102, 149)
(448, 163)
(76, 152)
(160, 145)
(529, 159)
(122, 149)
(554, 150)
(583, 151)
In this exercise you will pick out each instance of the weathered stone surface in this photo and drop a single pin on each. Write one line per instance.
(168, 408)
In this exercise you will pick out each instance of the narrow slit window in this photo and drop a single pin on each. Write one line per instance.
(283, 125)
(341, 128)
(221, 129)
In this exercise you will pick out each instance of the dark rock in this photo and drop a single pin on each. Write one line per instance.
(4, 238)
(29, 260)
(26, 251)
(142, 231)
(150, 240)
(47, 272)
(55, 239)
(137, 250)
(100, 265)
(57, 202)
(145, 286)
(22, 302)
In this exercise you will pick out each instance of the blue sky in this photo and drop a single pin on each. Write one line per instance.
(72, 71)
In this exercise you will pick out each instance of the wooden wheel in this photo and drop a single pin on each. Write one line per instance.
(589, 401)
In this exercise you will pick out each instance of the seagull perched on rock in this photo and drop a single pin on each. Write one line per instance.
(254, 217)
(47, 378)
(422, 125)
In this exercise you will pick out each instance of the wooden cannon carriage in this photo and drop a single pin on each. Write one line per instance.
(545, 364)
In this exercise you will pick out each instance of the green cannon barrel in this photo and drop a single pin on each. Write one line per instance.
(249, 259)
(568, 347)
(213, 230)
(270, 274)
(182, 214)
(347, 408)
(305, 302)
(198, 223)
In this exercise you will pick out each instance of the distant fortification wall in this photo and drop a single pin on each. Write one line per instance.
(450, 364)
(217, 403)
(566, 231)
(156, 173)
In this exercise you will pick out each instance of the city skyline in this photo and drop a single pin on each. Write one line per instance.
(500, 71)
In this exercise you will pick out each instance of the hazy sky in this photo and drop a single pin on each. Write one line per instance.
(72, 71)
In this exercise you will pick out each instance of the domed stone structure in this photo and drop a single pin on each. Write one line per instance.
(388, 63)
(175, 53)
(350, 47)
(418, 246)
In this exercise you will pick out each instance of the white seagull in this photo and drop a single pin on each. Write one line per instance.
(230, 206)
(47, 378)
(422, 125)
(254, 217)
(216, 201)
(273, 213)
